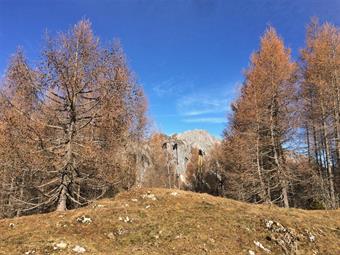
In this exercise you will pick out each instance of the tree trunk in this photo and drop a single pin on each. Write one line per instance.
(264, 195)
(62, 199)
(282, 178)
(328, 161)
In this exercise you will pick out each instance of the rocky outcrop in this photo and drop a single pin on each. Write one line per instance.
(178, 148)
(183, 143)
(199, 139)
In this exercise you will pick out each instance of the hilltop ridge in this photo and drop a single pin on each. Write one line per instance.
(163, 221)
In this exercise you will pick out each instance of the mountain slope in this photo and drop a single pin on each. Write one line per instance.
(161, 221)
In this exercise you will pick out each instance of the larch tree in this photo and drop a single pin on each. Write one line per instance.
(85, 124)
(262, 123)
(320, 97)
(160, 170)
(18, 134)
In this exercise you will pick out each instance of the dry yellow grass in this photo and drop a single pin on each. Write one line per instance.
(174, 223)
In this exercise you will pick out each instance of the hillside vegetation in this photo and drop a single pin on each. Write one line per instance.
(163, 221)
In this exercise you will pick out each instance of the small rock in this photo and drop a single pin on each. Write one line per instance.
(84, 219)
(11, 225)
(275, 226)
(120, 231)
(30, 252)
(147, 207)
(179, 236)
(60, 246)
(134, 200)
(111, 236)
(79, 249)
(125, 219)
(174, 193)
(269, 224)
(149, 196)
(250, 252)
(258, 244)
(311, 236)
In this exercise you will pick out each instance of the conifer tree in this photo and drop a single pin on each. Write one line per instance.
(261, 123)
(79, 117)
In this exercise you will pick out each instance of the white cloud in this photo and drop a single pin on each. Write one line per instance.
(196, 105)
(214, 120)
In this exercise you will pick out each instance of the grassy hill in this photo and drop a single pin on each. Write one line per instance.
(160, 221)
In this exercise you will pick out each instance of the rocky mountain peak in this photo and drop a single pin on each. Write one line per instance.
(198, 138)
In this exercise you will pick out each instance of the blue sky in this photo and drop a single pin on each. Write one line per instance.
(188, 54)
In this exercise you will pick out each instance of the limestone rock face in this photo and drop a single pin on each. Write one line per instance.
(186, 141)
(178, 147)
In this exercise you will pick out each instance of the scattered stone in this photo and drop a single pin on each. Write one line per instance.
(79, 249)
(179, 236)
(174, 193)
(134, 200)
(60, 246)
(269, 224)
(250, 252)
(30, 252)
(125, 219)
(147, 207)
(275, 226)
(84, 219)
(285, 237)
(260, 245)
(311, 236)
(111, 236)
(11, 225)
(149, 195)
(120, 231)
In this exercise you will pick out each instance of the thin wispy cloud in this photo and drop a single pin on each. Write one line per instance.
(213, 120)
(174, 86)
(164, 88)
(207, 107)
(211, 101)
(201, 104)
